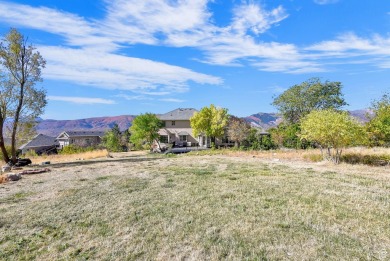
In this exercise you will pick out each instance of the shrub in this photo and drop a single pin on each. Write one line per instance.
(372, 160)
(31, 153)
(73, 149)
(332, 130)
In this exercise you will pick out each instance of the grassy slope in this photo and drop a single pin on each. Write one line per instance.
(195, 207)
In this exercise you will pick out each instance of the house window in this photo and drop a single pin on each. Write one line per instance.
(183, 137)
(173, 123)
(164, 138)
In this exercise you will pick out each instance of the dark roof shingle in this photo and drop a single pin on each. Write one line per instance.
(178, 114)
(85, 133)
(40, 140)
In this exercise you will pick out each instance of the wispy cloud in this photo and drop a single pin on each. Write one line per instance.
(352, 49)
(134, 97)
(91, 54)
(112, 71)
(80, 100)
(171, 100)
(325, 2)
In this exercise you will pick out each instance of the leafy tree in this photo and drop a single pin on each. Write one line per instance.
(332, 130)
(211, 121)
(238, 130)
(300, 100)
(258, 141)
(20, 100)
(112, 139)
(287, 135)
(378, 127)
(145, 129)
(115, 129)
(125, 139)
(26, 131)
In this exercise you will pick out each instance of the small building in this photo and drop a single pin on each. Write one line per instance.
(80, 138)
(40, 144)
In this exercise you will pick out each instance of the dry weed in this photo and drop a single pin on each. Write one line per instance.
(2, 179)
(71, 157)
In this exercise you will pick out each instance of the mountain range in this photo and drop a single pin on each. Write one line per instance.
(55, 127)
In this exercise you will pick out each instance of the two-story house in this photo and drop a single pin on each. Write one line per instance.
(177, 129)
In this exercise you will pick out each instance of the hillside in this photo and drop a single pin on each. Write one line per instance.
(270, 120)
(263, 120)
(55, 127)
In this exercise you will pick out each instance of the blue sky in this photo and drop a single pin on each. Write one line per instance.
(114, 57)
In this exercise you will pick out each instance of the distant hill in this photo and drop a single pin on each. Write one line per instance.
(270, 120)
(53, 128)
(264, 120)
(361, 115)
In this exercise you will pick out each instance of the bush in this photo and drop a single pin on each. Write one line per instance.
(256, 141)
(73, 149)
(31, 153)
(372, 160)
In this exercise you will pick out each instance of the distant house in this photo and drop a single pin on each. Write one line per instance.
(177, 129)
(40, 144)
(80, 138)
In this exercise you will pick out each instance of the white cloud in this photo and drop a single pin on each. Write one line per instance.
(172, 100)
(81, 100)
(133, 97)
(112, 71)
(90, 54)
(289, 66)
(352, 49)
(325, 2)
(347, 41)
(153, 22)
(91, 60)
(74, 29)
(255, 19)
(151, 16)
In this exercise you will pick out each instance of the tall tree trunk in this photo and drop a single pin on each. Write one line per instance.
(158, 143)
(2, 143)
(22, 82)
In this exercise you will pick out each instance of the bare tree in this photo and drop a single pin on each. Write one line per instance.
(238, 130)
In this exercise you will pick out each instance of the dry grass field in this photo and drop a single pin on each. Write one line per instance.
(232, 206)
(56, 158)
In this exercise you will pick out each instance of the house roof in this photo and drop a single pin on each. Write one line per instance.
(81, 134)
(178, 114)
(40, 140)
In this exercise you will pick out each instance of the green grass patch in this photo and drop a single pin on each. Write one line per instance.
(17, 197)
(103, 178)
